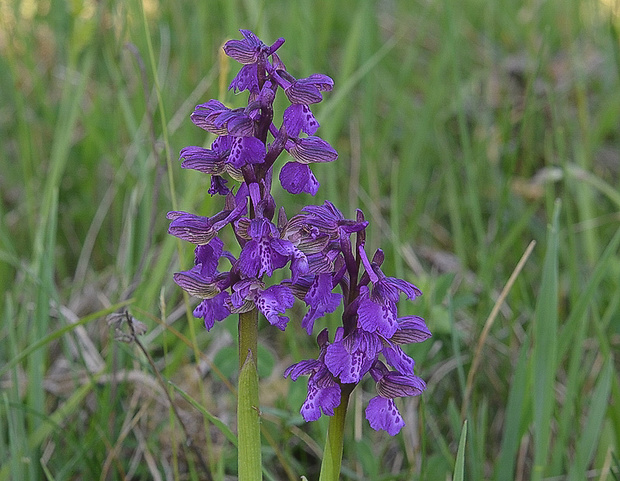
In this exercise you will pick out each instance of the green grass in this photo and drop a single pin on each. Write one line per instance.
(465, 130)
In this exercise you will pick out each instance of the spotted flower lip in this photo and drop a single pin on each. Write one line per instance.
(213, 309)
(272, 302)
(382, 413)
(323, 389)
(349, 358)
(298, 118)
(297, 178)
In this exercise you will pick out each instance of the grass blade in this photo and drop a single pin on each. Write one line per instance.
(217, 422)
(589, 439)
(545, 329)
(459, 465)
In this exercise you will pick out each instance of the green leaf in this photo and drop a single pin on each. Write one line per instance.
(459, 465)
(545, 349)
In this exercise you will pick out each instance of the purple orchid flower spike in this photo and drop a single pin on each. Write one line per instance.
(323, 250)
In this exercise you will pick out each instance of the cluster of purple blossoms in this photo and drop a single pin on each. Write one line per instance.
(321, 248)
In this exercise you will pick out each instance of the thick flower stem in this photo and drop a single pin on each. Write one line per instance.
(332, 455)
(248, 421)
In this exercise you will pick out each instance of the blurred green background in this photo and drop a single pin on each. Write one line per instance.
(465, 130)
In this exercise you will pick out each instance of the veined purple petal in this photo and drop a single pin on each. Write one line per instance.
(322, 81)
(192, 228)
(205, 116)
(203, 160)
(307, 90)
(195, 284)
(240, 126)
(297, 178)
(327, 211)
(300, 93)
(408, 288)
(411, 329)
(302, 368)
(394, 384)
(244, 51)
(312, 149)
(382, 413)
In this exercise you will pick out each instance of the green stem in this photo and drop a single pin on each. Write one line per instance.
(332, 455)
(248, 421)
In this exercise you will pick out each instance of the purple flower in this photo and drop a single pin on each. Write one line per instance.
(205, 282)
(246, 150)
(311, 150)
(198, 229)
(253, 53)
(377, 309)
(214, 161)
(271, 302)
(323, 390)
(214, 309)
(381, 411)
(260, 254)
(320, 299)
(250, 49)
(246, 79)
(218, 186)
(306, 91)
(322, 248)
(299, 118)
(350, 357)
(218, 119)
(327, 219)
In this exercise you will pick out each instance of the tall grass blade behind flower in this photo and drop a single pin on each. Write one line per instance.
(589, 439)
(518, 415)
(459, 465)
(544, 356)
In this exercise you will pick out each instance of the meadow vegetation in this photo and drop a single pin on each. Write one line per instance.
(481, 139)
